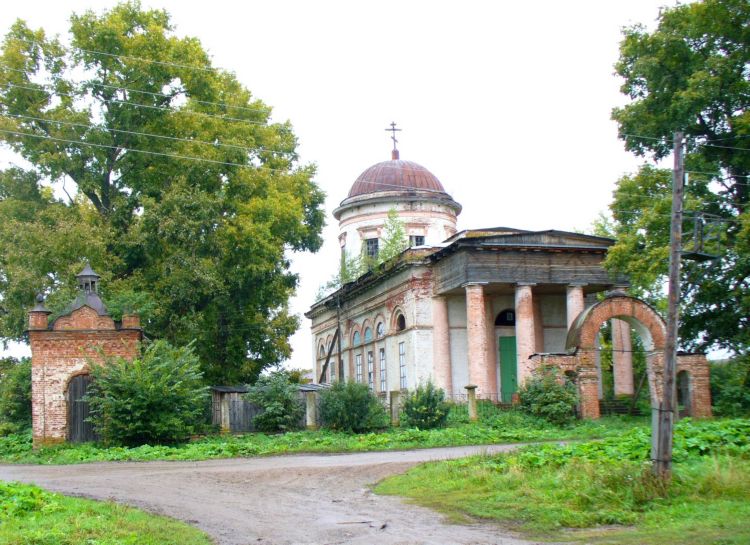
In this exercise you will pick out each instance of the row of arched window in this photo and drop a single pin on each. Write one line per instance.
(366, 335)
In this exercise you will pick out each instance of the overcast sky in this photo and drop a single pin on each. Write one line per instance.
(507, 103)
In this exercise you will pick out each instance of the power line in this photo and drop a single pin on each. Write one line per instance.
(152, 107)
(136, 133)
(244, 165)
(142, 59)
(123, 148)
(152, 93)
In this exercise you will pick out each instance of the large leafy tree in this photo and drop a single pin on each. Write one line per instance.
(690, 74)
(168, 175)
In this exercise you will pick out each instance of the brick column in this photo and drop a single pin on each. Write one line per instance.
(476, 331)
(622, 358)
(441, 345)
(575, 302)
(525, 330)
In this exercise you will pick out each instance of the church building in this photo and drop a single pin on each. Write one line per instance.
(458, 307)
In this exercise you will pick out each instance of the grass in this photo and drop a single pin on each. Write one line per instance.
(604, 491)
(501, 427)
(32, 516)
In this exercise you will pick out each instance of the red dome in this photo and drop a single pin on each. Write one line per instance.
(395, 175)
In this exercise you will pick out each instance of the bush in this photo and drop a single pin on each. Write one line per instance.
(279, 398)
(425, 408)
(157, 398)
(351, 406)
(15, 395)
(730, 387)
(546, 397)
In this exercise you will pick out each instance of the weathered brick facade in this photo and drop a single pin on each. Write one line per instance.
(65, 349)
(582, 350)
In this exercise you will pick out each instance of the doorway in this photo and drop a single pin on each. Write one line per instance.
(79, 428)
(508, 368)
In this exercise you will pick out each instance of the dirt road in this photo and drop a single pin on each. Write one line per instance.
(281, 500)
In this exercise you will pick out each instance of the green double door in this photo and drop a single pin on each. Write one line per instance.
(508, 368)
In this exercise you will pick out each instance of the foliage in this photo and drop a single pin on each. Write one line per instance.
(279, 398)
(351, 267)
(425, 407)
(15, 395)
(351, 406)
(184, 242)
(730, 387)
(30, 515)
(505, 427)
(158, 397)
(395, 239)
(543, 395)
(582, 485)
(689, 74)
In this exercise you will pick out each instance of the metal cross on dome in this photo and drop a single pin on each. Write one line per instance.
(393, 130)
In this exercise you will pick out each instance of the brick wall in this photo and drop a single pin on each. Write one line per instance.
(699, 371)
(75, 342)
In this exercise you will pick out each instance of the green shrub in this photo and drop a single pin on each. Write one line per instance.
(730, 387)
(425, 408)
(156, 398)
(351, 406)
(280, 400)
(545, 396)
(15, 395)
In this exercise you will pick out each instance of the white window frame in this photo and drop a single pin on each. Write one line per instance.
(370, 370)
(358, 366)
(402, 364)
(383, 372)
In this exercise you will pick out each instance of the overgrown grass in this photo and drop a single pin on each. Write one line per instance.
(32, 516)
(500, 427)
(547, 489)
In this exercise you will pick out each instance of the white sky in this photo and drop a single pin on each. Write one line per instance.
(507, 103)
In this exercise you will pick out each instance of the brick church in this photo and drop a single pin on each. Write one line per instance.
(481, 307)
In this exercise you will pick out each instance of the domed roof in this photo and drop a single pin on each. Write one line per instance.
(395, 175)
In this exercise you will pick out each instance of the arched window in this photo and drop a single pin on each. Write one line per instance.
(506, 317)
(368, 335)
(356, 340)
(400, 323)
(322, 351)
(379, 330)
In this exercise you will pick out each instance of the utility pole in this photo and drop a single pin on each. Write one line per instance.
(663, 419)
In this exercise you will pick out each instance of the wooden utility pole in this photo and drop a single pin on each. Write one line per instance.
(663, 417)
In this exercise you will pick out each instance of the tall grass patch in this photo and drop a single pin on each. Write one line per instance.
(30, 515)
(547, 488)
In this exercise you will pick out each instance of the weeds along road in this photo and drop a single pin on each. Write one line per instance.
(280, 500)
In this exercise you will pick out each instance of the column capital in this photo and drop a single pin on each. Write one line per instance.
(525, 284)
(467, 284)
(578, 284)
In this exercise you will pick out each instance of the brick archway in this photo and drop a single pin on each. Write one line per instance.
(644, 319)
(581, 354)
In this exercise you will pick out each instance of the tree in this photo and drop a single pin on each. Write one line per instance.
(15, 395)
(690, 74)
(352, 267)
(158, 397)
(278, 395)
(177, 186)
(395, 240)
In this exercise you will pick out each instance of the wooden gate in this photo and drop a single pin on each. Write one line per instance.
(79, 429)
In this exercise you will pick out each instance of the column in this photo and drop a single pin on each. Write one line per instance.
(622, 358)
(538, 326)
(492, 349)
(575, 302)
(476, 333)
(525, 330)
(441, 345)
